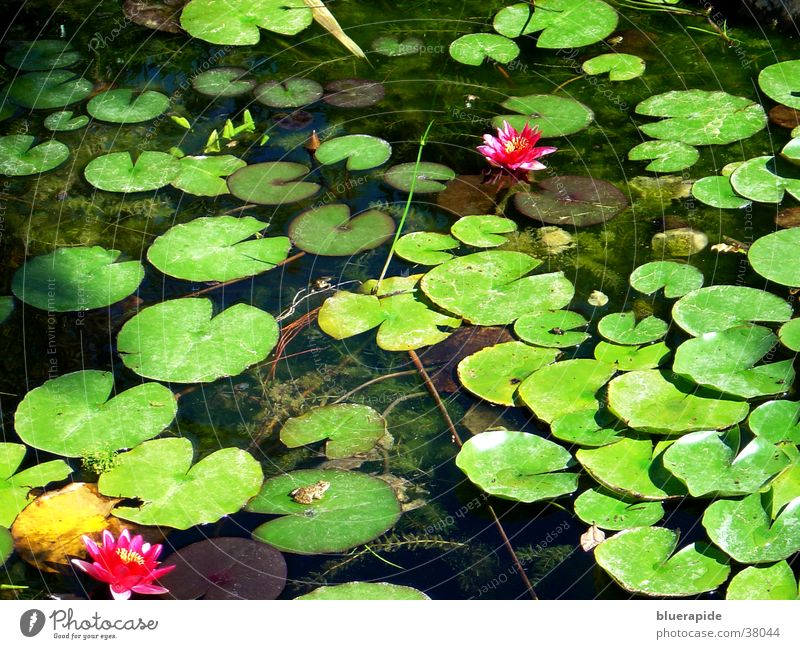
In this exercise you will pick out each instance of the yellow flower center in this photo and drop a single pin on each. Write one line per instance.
(516, 144)
(129, 556)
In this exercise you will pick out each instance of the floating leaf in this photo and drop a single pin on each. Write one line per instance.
(6, 307)
(667, 155)
(75, 415)
(591, 538)
(553, 328)
(623, 328)
(179, 341)
(223, 82)
(217, 249)
(18, 156)
(775, 257)
(63, 120)
(43, 54)
(161, 15)
(329, 230)
(643, 560)
(122, 107)
(350, 428)
(773, 582)
(675, 278)
(474, 49)
(654, 402)
(517, 466)
(483, 230)
(620, 67)
(493, 287)
(425, 247)
(786, 486)
(717, 191)
(628, 357)
(291, 93)
(355, 509)
(54, 89)
(430, 177)
(353, 93)
(611, 512)
(203, 175)
(789, 334)
(552, 115)
(117, 172)
(756, 180)
(272, 183)
(236, 22)
(76, 279)
(776, 422)
(779, 82)
(175, 493)
(359, 590)
(467, 195)
(6, 545)
(361, 151)
(391, 45)
(590, 427)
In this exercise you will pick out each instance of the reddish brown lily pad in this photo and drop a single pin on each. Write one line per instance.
(788, 218)
(576, 201)
(466, 195)
(294, 121)
(162, 16)
(353, 93)
(784, 116)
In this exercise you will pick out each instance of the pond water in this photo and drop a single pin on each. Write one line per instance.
(446, 542)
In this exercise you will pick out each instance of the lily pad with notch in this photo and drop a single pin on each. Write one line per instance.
(123, 107)
(619, 66)
(625, 329)
(272, 183)
(329, 230)
(590, 427)
(53, 89)
(717, 191)
(759, 179)
(360, 151)
(666, 155)
(553, 328)
(117, 172)
(776, 422)
(779, 82)
(223, 82)
(553, 116)
(63, 120)
(609, 511)
(425, 177)
(204, 175)
(353, 93)
(19, 156)
(775, 582)
(291, 93)
(483, 230)
(40, 55)
(675, 278)
(427, 248)
(630, 357)
(474, 49)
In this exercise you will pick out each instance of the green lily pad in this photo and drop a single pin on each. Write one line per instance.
(620, 67)
(612, 512)
(786, 486)
(329, 230)
(272, 183)
(628, 357)
(117, 172)
(74, 415)
(565, 387)
(553, 116)
(716, 308)
(44, 54)
(361, 590)
(237, 22)
(775, 582)
(623, 328)
(405, 321)
(789, 334)
(494, 373)
(779, 82)
(632, 467)
(643, 560)
(223, 82)
(291, 93)
(700, 117)
(18, 156)
(361, 151)
(122, 107)
(427, 248)
(494, 287)
(756, 180)
(667, 155)
(53, 89)
(76, 279)
(6, 545)
(474, 49)
(554, 328)
(707, 462)
(63, 120)
(203, 175)
(676, 279)
(392, 45)
(517, 466)
(483, 230)
(217, 249)
(181, 341)
(350, 428)
(775, 258)
(776, 422)
(6, 307)
(742, 529)
(726, 361)
(791, 151)
(15, 488)
(563, 23)
(654, 402)
(354, 509)
(717, 191)
(425, 178)
(590, 427)
(176, 493)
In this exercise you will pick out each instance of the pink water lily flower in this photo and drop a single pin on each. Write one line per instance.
(513, 151)
(126, 564)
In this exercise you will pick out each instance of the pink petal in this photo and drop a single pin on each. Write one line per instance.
(109, 543)
(91, 547)
(160, 572)
(147, 589)
(124, 594)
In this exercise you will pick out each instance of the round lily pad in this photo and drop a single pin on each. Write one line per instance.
(353, 510)
(6, 307)
(667, 155)
(223, 82)
(775, 257)
(217, 249)
(353, 93)
(74, 415)
(552, 115)
(392, 45)
(789, 334)
(76, 279)
(424, 178)
(576, 201)
(654, 402)
(624, 329)
(18, 156)
(779, 82)
(225, 568)
(272, 183)
(517, 466)
(494, 373)
(643, 560)
(773, 582)
(676, 279)
(791, 151)
(553, 328)
(612, 512)
(237, 22)
(174, 492)
(717, 191)
(483, 230)
(590, 427)
(474, 49)
(292, 93)
(44, 54)
(776, 422)
(160, 15)
(359, 590)
(756, 179)
(700, 117)
(117, 172)
(181, 341)
(428, 248)
(53, 89)
(716, 308)
(123, 107)
(494, 287)
(620, 67)
(360, 151)
(628, 357)
(204, 175)
(63, 120)
(329, 230)
(350, 428)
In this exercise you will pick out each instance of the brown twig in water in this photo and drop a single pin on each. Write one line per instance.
(372, 381)
(289, 333)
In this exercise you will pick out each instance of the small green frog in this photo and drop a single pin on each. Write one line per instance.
(307, 495)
